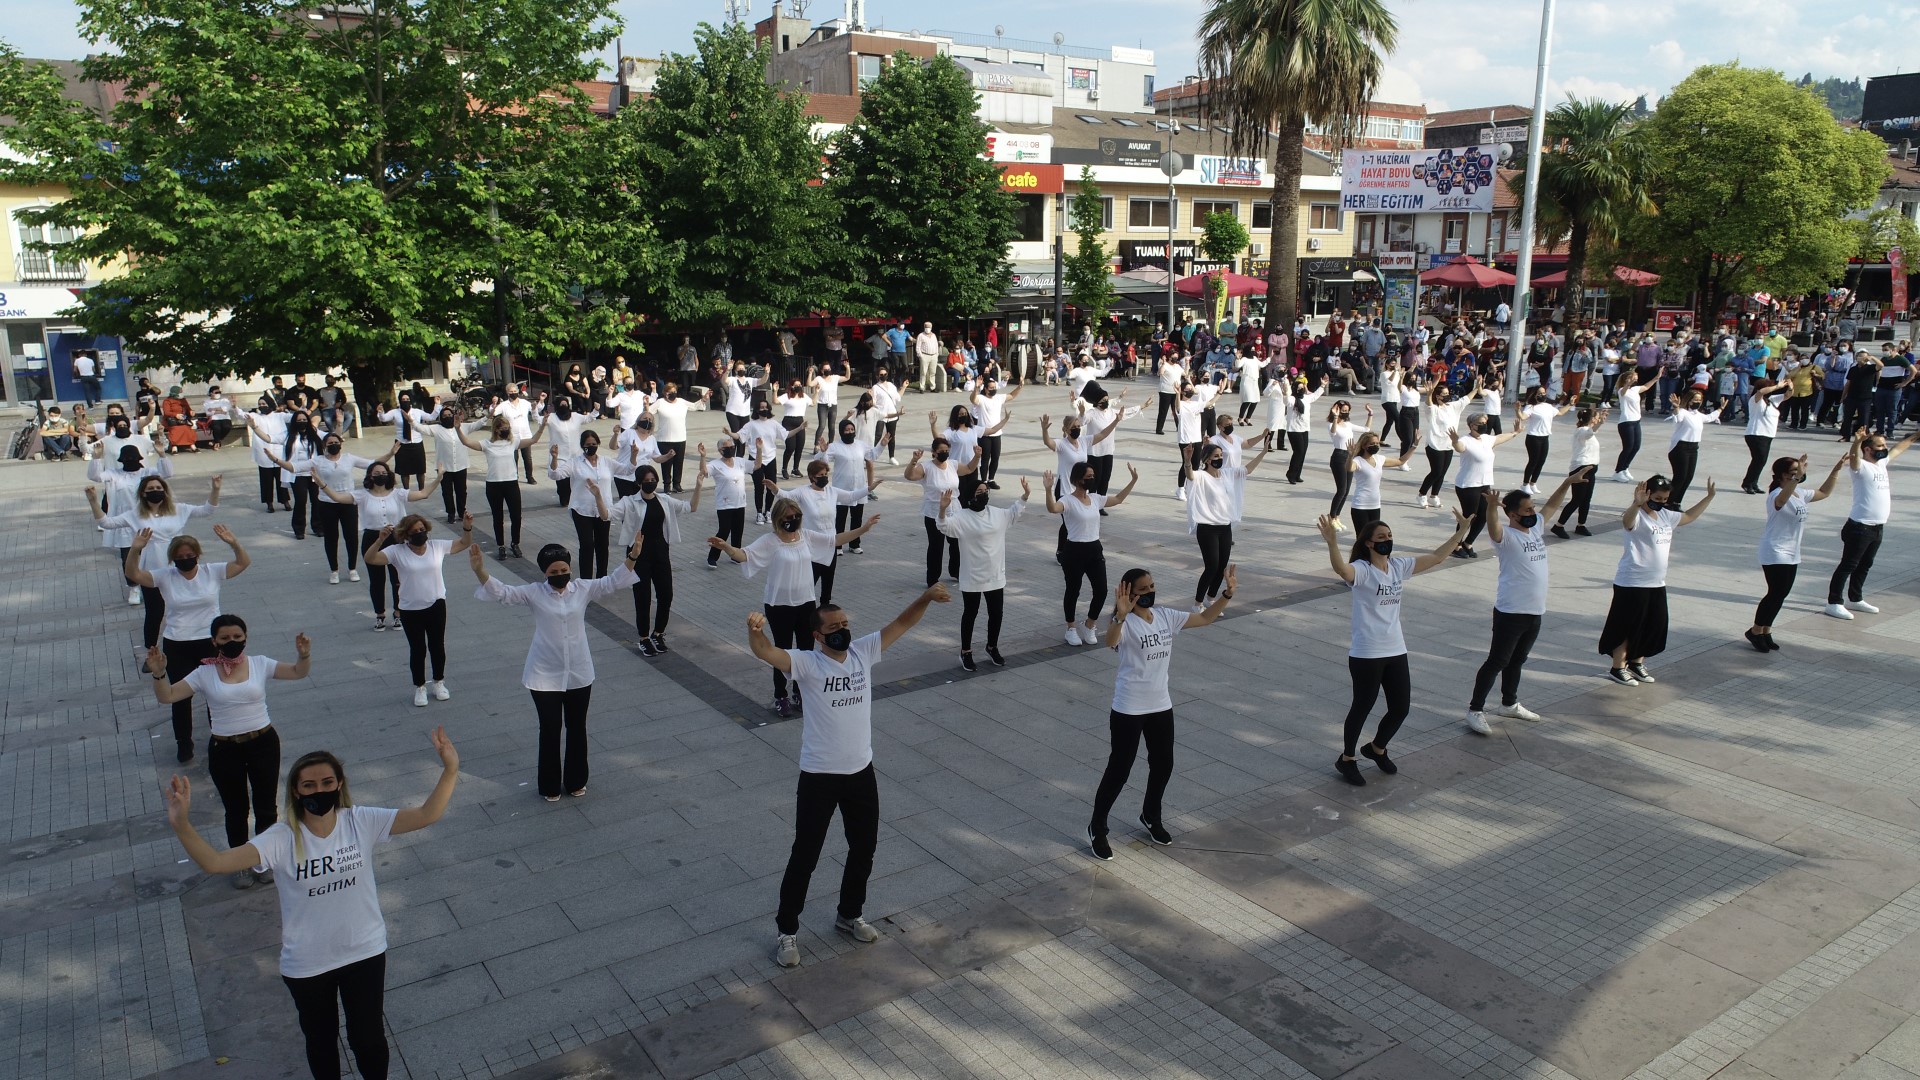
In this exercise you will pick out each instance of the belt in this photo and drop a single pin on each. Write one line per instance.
(243, 737)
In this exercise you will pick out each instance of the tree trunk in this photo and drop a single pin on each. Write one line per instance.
(1575, 290)
(1283, 243)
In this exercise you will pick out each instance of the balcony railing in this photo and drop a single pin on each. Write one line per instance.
(42, 266)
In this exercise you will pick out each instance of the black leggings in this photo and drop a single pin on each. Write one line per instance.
(1187, 450)
(1297, 459)
(453, 493)
(1684, 458)
(1084, 559)
(1537, 446)
(1102, 472)
(989, 457)
(1246, 411)
(247, 776)
(1579, 497)
(1363, 518)
(1437, 462)
(426, 637)
(1779, 583)
(970, 610)
(335, 520)
(1166, 403)
(1216, 550)
(1342, 481)
(1370, 676)
(1757, 449)
(1126, 731)
(559, 709)
(591, 534)
(381, 580)
(1629, 443)
(935, 541)
(729, 525)
(360, 989)
(1858, 545)
(183, 659)
(1473, 507)
(796, 443)
(270, 488)
(504, 493)
(153, 615)
(847, 518)
(763, 499)
(304, 497)
(1409, 420)
(670, 469)
(823, 574)
(1392, 422)
(791, 627)
(655, 572)
(1513, 637)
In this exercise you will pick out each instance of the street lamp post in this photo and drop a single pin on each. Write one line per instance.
(1523, 271)
(1059, 272)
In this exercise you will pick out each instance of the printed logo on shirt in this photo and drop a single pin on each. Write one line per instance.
(844, 691)
(346, 859)
(1534, 548)
(1386, 595)
(1154, 644)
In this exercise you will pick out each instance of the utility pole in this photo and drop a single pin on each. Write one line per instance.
(1523, 272)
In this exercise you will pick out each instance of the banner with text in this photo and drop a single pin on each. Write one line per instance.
(1454, 180)
(1898, 259)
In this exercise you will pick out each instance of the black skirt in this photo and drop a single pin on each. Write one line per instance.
(1637, 619)
(410, 459)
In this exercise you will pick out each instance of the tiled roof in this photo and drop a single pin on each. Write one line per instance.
(1456, 117)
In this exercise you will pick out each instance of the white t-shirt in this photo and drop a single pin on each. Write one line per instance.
(836, 727)
(1082, 519)
(827, 389)
(565, 434)
(165, 527)
(1872, 497)
(1631, 402)
(1067, 453)
(983, 543)
(1763, 419)
(1170, 376)
(192, 602)
(1539, 418)
(886, 400)
(217, 408)
(422, 584)
(628, 403)
(1299, 409)
(740, 395)
(516, 410)
(338, 473)
(670, 420)
(580, 498)
(1476, 462)
(1187, 413)
(1214, 500)
(788, 566)
(1522, 588)
(1366, 482)
(1586, 447)
(989, 408)
(764, 440)
(1376, 608)
(1442, 418)
(1644, 549)
(1146, 654)
(1688, 423)
(1343, 433)
(848, 461)
(270, 433)
(963, 442)
(379, 511)
(936, 480)
(729, 484)
(1100, 419)
(234, 708)
(503, 461)
(1780, 537)
(329, 905)
(795, 405)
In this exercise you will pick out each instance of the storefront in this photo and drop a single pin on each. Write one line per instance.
(39, 344)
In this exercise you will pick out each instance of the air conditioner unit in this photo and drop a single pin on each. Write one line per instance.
(1313, 243)
(1093, 95)
(1422, 247)
(1258, 249)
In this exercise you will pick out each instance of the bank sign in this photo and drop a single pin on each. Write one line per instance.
(1454, 180)
(1237, 172)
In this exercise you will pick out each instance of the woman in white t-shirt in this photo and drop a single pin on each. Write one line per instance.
(1297, 404)
(670, 417)
(1142, 633)
(1786, 521)
(502, 452)
(1216, 493)
(591, 497)
(1867, 461)
(380, 506)
(1366, 464)
(1632, 399)
(122, 476)
(981, 530)
(192, 594)
(793, 417)
(1763, 421)
(155, 511)
(333, 938)
(422, 604)
(731, 477)
(1636, 626)
(1690, 416)
(1377, 654)
(243, 751)
(936, 478)
(1474, 478)
(1443, 417)
(991, 409)
(1343, 432)
(887, 406)
(333, 470)
(1536, 418)
(825, 385)
(1080, 554)
(1585, 464)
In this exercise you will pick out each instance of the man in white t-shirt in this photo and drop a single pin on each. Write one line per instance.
(1519, 538)
(835, 680)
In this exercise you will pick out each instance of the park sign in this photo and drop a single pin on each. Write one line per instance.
(1451, 180)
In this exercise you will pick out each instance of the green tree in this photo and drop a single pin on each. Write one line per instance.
(1753, 179)
(1593, 179)
(1223, 239)
(729, 172)
(923, 207)
(308, 192)
(1881, 230)
(1271, 68)
(1089, 269)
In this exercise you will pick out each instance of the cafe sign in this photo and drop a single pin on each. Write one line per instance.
(1036, 179)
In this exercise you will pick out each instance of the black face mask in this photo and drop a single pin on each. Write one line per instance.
(988, 391)
(940, 456)
(649, 486)
(447, 421)
(763, 414)
(121, 431)
(645, 425)
(817, 481)
(978, 503)
(672, 394)
(789, 524)
(1144, 601)
(320, 803)
(729, 450)
(563, 410)
(333, 449)
(1656, 504)
(558, 582)
(1880, 453)
(1383, 548)
(837, 640)
(379, 480)
(155, 496)
(1528, 521)
(1083, 480)
(1071, 433)
(232, 649)
(589, 448)
(846, 436)
(417, 538)
(186, 563)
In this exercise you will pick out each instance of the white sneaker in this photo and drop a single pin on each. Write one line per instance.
(1406, 466)
(420, 696)
(1837, 611)
(1623, 477)
(133, 596)
(333, 578)
(1477, 723)
(1073, 636)
(1089, 635)
(353, 575)
(1421, 502)
(1862, 605)
(441, 693)
(786, 950)
(857, 928)
(891, 461)
(1181, 494)
(1517, 711)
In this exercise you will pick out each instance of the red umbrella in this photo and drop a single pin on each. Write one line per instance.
(1237, 284)
(1626, 275)
(1467, 273)
(1550, 281)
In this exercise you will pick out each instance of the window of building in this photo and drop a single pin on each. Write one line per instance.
(1032, 217)
(1106, 210)
(1365, 231)
(1149, 214)
(1453, 233)
(1204, 209)
(1086, 119)
(1081, 79)
(1399, 234)
(869, 70)
(1496, 234)
(1196, 129)
(1146, 96)
(1124, 122)
(44, 265)
(1262, 214)
(1324, 217)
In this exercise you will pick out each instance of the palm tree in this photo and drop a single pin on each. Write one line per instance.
(1593, 180)
(1273, 66)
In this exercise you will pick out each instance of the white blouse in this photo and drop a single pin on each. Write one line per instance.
(560, 657)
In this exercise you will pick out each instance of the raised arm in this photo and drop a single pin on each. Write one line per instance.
(375, 553)
(239, 563)
(1255, 462)
(763, 647)
(1054, 506)
(1496, 521)
(1439, 555)
(1046, 436)
(1901, 446)
(1214, 610)
(1585, 472)
(466, 535)
(430, 811)
(178, 794)
(935, 594)
(1133, 477)
(1329, 531)
(303, 647)
(1693, 512)
(133, 571)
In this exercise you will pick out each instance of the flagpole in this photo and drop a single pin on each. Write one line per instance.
(1523, 271)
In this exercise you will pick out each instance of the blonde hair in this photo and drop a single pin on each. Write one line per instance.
(293, 814)
(780, 508)
(148, 509)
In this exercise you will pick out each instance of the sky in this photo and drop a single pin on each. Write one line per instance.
(1454, 53)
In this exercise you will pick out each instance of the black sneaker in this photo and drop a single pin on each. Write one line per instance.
(660, 641)
(1758, 641)
(185, 752)
(1156, 832)
(1581, 530)
(993, 654)
(646, 647)
(781, 706)
(1772, 645)
(1639, 671)
(1560, 531)
(993, 485)
(1380, 758)
(966, 661)
(1349, 771)
(1099, 846)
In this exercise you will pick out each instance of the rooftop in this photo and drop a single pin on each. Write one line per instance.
(1454, 117)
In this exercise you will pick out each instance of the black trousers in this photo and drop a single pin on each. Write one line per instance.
(1084, 559)
(1127, 730)
(153, 614)
(426, 637)
(1216, 551)
(823, 574)
(857, 797)
(247, 776)
(1297, 457)
(526, 461)
(795, 445)
(591, 534)
(1779, 584)
(730, 525)
(671, 468)
(1513, 638)
(335, 520)
(1437, 462)
(360, 989)
(382, 581)
(183, 658)
(1683, 459)
(1409, 420)
(1392, 422)
(763, 499)
(1370, 676)
(989, 457)
(1246, 410)
(270, 488)
(1166, 404)
(655, 571)
(1342, 480)
(558, 709)
(1363, 518)
(791, 627)
(970, 610)
(1629, 443)
(1856, 411)
(304, 497)
(453, 493)
(504, 495)
(1858, 545)
(1473, 507)
(1537, 446)
(936, 540)
(1758, 447)
(846, 518)
(1102, 472)
(1579, 498)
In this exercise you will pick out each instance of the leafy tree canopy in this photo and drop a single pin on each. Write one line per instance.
(1089, 270)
